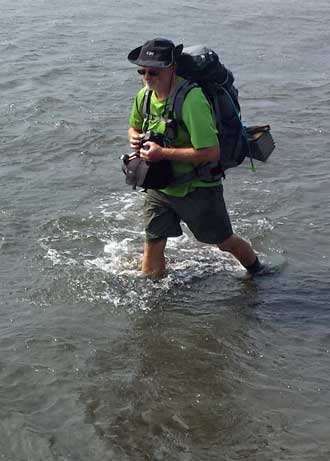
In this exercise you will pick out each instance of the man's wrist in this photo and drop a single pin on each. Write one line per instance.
(166, 153)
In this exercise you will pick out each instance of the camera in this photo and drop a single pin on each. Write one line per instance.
(158, 138)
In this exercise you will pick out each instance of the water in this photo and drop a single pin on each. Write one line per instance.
(97, 363)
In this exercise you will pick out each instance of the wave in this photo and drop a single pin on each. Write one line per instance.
(98, 257)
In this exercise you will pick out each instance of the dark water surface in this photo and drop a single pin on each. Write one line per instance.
(97, 363)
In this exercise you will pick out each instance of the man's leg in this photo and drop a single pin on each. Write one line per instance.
(240, 249)
(153, 263)
(204, 211)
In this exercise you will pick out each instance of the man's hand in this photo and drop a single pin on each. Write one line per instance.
(151, 152)
(135, 141)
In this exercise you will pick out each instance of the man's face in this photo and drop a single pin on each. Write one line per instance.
(155, 78)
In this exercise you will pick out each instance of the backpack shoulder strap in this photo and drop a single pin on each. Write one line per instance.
(179, 96)
(210, 171)
(146, 103)
(146, 109)
(214, 101)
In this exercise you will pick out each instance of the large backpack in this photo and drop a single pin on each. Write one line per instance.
(200, 66)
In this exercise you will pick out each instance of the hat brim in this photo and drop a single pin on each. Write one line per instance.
(133, 57)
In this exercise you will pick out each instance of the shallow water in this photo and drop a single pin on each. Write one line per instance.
(98, 363)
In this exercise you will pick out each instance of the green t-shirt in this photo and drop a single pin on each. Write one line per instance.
(201, 131)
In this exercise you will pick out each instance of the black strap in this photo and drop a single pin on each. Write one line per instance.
(146, 110)
(178, 99)
(217, 112)
(146, 103)
(211, 171)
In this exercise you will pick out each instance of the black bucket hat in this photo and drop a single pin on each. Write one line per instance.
(158, 52)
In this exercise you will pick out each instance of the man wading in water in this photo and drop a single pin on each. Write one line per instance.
(200, 204)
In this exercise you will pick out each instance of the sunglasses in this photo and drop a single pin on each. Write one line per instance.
(152, 73)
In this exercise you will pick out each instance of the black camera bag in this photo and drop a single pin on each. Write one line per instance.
(148, 175)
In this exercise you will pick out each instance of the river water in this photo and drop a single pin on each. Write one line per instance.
(97, 363)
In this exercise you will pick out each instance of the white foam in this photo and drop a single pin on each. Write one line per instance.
(53, 256)
(115, 248)
(264, 223)
(56, 258)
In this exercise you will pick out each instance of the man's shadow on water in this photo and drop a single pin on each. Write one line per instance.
(174, 382)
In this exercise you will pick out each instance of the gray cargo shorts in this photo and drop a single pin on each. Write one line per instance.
(203, 210)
